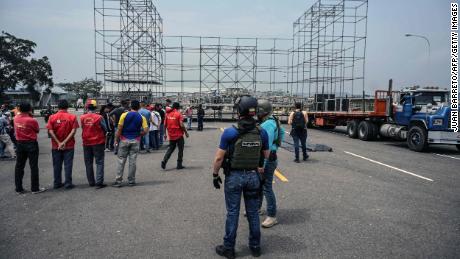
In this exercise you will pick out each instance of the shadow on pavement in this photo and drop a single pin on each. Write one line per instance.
(294, 216)
(152, 183)
(281, 245)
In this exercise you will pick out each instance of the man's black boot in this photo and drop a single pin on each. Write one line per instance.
(163, 165)
(179, 165)
(255, 251)
(225, 252)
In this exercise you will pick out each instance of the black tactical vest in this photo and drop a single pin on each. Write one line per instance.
(247, 150)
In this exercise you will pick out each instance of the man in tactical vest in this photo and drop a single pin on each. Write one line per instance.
(241, 153)
(275, 136)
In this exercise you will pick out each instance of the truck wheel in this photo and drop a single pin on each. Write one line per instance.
(365, 130)
(352, 129)
(375, 131)
(417, 139)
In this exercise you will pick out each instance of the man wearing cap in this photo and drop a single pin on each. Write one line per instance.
(131, 127)
(62, 127)
(93, 135)
(175, 129)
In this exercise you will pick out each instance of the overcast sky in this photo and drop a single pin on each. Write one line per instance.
(63, 31)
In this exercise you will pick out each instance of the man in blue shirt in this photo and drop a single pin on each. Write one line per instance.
(145, 143)
(242, 151)
(275, 136)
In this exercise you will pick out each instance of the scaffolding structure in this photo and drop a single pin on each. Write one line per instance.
(219, 65)
(322, 62)
(128, 47)
(329, 51)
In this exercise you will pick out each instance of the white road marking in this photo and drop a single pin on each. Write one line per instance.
(389, 166)
(456, 158)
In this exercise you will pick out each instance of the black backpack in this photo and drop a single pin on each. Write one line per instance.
(298, 122)
(277, 140)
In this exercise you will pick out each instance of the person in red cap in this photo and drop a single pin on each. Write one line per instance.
(26, 129)
(93, 134)
(62, 127)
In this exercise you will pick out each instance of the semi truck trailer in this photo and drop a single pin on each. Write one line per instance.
(418, 115)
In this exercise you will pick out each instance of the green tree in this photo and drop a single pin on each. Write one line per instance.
(17, 67)
(84, 88)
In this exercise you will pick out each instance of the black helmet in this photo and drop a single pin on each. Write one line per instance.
(264, 107)
(246, 106)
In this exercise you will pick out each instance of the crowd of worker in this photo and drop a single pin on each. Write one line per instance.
(247, 152)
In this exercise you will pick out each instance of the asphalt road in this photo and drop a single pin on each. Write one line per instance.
(363, 200)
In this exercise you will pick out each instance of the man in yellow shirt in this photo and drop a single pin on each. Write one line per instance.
(131, 127)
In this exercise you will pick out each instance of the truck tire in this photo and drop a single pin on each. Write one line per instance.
(365, 130)
(352, 129)
(375, 131)
(417, 139)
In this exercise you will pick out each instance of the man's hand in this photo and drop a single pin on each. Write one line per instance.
(186, 134)
(61, 145)
(216, 181)
(260, 170)
(166, 137)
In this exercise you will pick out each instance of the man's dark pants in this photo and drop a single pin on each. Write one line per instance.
(91, 153)
(172, 146)
(154, 139)
(62, 157)
(200, 123)
(300, 139)
(244, 183)
(27, 150)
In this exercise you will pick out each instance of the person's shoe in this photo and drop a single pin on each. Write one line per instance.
(269, 222)
(116, 184)
(163, 165)
(255, 251)
(107, 150)
(296, 160)
(305, 158)
(225, 252)
(100, 186)
(21, 192)
(180, 167)
(69, 187)
(131, 184)
(147, 150)
(40, 190)
(58, 186)
(92, 185)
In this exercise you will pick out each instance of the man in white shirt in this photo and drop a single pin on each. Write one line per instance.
(155, 122)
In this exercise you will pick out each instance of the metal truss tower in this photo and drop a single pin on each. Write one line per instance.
(128, 47)
(329, 50)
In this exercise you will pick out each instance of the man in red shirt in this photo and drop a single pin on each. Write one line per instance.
(175, 129)
(62, 127)
(93, 134)
(26, 129)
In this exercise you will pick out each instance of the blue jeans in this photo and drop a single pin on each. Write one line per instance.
(145, 142)
(62, 157)
(162, 134)
(189, 122)
(269, 171)
(2, 149)
(300, 139)
(154, 139)
(239, 183)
